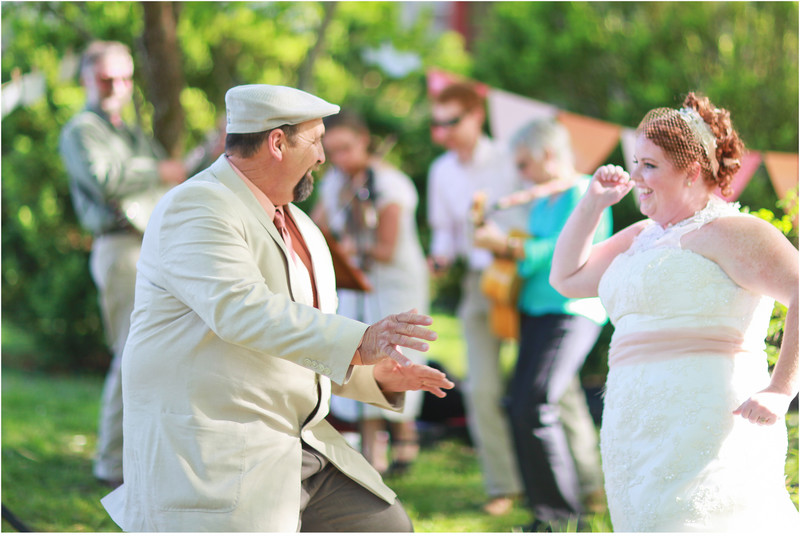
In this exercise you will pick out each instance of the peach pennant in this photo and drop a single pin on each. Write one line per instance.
(783, 171)
(592, 140)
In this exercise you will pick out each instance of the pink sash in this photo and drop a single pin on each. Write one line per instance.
(660, 345)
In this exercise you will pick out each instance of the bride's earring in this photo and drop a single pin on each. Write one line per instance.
(688, 183)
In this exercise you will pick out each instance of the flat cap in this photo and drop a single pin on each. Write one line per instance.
(260, 107)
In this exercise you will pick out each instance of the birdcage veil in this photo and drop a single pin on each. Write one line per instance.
(684, 135)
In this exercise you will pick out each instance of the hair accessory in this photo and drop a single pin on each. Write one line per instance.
(704, 135)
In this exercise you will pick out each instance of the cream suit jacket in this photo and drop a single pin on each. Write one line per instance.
(227, 368)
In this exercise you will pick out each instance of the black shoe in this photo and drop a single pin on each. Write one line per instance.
(398, 468)
(538, 526)
(110, 483)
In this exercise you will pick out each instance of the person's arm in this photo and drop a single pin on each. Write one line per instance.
(756, 256)
(87, 148)
(440, 222)
(578, 263)
(386, 233)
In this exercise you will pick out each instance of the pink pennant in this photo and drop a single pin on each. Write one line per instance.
(750, 163)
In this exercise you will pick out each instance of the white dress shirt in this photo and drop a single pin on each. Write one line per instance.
(451, 187)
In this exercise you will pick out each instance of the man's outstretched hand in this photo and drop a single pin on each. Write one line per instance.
(382, 339)
(394, 378)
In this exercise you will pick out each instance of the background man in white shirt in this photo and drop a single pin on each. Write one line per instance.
(473, 163)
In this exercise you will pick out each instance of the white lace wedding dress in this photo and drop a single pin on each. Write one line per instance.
(688, 348)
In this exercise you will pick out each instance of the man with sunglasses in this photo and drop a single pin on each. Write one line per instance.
(473, 163)
(108, 162)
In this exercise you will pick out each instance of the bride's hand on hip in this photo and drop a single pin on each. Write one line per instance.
(764, 408)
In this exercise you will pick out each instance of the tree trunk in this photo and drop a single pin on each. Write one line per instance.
(304, 73)
(164, 73)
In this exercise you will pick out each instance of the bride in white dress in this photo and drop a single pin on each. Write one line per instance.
(693, 435)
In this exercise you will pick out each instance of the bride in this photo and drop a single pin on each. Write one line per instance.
(693, 436)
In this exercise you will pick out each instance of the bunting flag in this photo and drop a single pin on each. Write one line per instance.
(594, 140)
(750, 163)
(509, 112)
(438, 80)
(783, 171)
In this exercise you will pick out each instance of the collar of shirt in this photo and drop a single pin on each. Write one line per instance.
(485, 152)
(261, 197)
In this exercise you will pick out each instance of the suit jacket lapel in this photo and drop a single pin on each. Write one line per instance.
(222, 170)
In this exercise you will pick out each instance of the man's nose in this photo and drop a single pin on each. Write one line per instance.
(121, 84)
(438, 133)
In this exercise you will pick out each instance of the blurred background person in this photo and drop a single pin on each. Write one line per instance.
(473, 163)
(116, 172)
(370, 208)
(556, 334)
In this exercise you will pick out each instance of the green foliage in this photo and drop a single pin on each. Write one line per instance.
(613, 61)
(617, 60)
(785, 223)
(46, 285)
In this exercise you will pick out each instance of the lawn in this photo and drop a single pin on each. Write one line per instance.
(48, 424)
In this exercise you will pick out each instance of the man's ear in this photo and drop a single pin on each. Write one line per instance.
(276, 144)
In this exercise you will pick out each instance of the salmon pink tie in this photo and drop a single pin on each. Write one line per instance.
(280, 224)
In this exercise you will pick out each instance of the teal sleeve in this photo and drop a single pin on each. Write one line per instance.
(538, 256)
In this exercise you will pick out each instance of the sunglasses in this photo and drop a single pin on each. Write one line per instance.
(107, 81)
(449, 123)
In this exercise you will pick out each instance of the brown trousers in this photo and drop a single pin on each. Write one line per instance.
(332, 502)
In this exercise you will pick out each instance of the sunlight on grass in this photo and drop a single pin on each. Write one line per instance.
(48, 438)
(450, 350)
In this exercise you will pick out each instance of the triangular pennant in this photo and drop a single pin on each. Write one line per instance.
(438, 80)
(783, 171)
(750, 163)
(509, 112)
(592, 140)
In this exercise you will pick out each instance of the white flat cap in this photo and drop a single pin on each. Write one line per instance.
(260, 107)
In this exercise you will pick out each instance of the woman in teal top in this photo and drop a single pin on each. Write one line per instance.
(556, 333)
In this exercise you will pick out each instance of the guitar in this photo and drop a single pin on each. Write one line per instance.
(500, 282)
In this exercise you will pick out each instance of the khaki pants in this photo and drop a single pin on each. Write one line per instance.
(113, 267)
(484, 390)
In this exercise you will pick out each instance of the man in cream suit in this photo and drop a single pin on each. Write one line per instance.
(234, 348)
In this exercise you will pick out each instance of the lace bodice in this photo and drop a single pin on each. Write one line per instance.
(657, 284)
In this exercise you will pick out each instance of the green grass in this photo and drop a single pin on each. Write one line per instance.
(48, 424)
